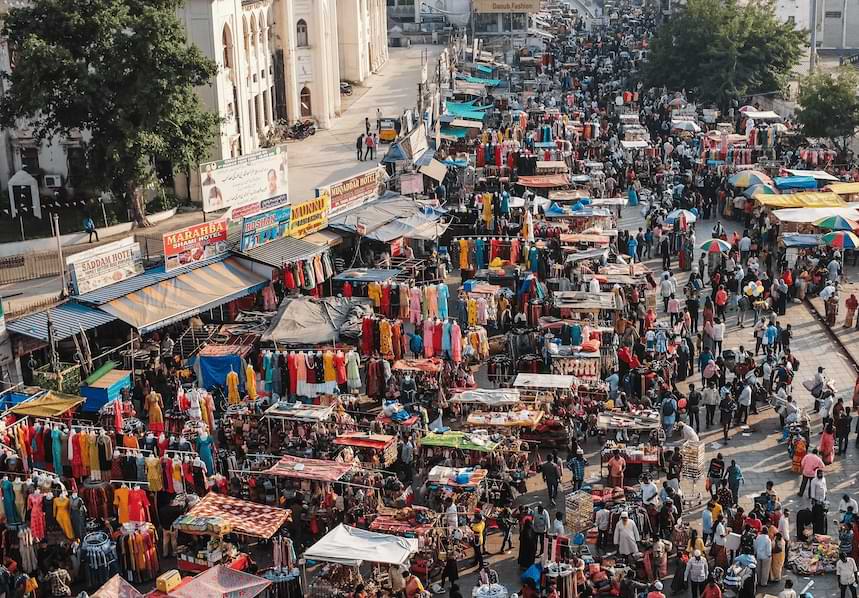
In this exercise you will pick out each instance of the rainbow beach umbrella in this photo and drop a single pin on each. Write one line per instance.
(715, 246)
(747, 178)
(760, 189)
(841, 239)
(836, 223)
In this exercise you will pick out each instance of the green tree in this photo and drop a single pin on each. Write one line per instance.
(120, 69)
(724, 50)
(829, 106)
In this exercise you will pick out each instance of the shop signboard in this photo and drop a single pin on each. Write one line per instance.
(309, 216)
(245, 180)
(506, 6)
(104, 265)
(195, 243)
(259, 229)
(354, 191)
(415, 142)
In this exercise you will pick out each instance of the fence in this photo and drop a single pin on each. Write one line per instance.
(20, 268)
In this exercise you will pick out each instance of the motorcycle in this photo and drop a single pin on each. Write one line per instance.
(345, 88)
(301, 130)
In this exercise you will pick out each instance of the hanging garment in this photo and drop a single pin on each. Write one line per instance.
(37, 515)
(62, 514)
(442, 295)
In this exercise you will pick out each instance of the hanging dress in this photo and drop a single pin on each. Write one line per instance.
(37, 515)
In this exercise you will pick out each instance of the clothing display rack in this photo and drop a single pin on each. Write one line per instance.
(98, 556)
(137, 555)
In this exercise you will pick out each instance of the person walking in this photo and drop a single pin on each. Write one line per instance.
(552, 476)
(809, 465)
(763, 553)
(847, 574)
(359, 146)
(842, 431)
(693, 402)
(697, 571)
(541, 527)
(370, 142)
(735, 478)
(367, 125)
(89, 228)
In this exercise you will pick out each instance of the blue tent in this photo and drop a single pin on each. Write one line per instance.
(795, 182)
(396, 153)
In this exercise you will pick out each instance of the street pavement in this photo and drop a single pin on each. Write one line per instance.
(757, 450)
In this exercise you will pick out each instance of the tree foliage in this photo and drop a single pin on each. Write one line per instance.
(120, 69)
(724, 50)
(829, 107)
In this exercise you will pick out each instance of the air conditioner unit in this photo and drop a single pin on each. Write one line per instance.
(53, 181)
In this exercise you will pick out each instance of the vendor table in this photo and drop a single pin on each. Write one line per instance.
(641, 454)
(618, 420)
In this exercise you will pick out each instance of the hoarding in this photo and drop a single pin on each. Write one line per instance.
(354, 191)
(195, 243)
(496, 6)
(104, 265)
(309, 216)
(248, 179)
(259, 229)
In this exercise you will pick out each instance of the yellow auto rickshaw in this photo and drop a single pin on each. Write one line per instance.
(387, 130)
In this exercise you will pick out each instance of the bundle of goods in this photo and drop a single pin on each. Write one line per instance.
(579, 514)
(580, 368)
(694, 456)
(608, 497)
(815, 558)
(210, 525)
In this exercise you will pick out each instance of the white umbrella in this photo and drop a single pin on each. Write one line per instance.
(686, 125)
(675, 215)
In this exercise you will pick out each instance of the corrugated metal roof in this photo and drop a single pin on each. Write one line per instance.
(283, 251)
(67, 318)
(147, 279)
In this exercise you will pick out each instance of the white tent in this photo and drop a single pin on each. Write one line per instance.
(808, 215)
(352, 546)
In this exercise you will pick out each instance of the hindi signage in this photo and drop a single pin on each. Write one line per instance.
(245, 180)
(195, 243)
(104, 265)
(266, 227)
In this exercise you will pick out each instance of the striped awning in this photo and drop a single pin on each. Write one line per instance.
(186, 295)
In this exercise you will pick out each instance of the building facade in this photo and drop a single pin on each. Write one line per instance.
(277, 60)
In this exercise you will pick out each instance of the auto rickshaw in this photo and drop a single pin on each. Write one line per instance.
(387, 130)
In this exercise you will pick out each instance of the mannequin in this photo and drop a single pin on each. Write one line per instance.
(79, 515)
(37, 515)
(9, 501)
(408, 390)
(204, 447)
(63, 515)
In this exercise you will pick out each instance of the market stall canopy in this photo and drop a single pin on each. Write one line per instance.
(416, 226)
(67, 319)
(311, 321)
(395, 153)
(810, 199)
(366, 275)
(365, 440)
(374, 215)
(843, 188)
(116, 587)
(544, 381)
(586, 301)
(459, 440)
(762, 115)
(634, 144)
(795, 182)
(435, 170)
(353, 546)
(286, 250)
(245, 518)
(800, 240)
(222, 582)
(544, 182)
(456, 477)
(186, 295)
(51, 404)
(820, 175)
(319, 470)
(490, 397)
(300, 412)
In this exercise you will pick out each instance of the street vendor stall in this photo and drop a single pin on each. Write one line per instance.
(463, 485)
(376, 451)
(506, 421)
(344, 550)
(637, 456)
(222, 582)
(642, 421)
(297, 419)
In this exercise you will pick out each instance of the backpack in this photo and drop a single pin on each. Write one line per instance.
(668, 407)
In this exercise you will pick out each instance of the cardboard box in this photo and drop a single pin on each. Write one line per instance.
(168, 581)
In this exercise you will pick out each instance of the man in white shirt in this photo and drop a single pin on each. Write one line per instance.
(451, 517)
(818, 488)
(745, 247)
(745, 402)
(845, 571)
(603, 520)
(763, 553)
(687, 432)
(696, 574)
(845, 503)
(784, 525)
(650, 493)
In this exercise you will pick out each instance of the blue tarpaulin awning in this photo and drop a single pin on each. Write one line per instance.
(800, 240)
(396, 153)
(484, 69)
(795, 182)
(67, 319)
(455, 133)
(481, 81)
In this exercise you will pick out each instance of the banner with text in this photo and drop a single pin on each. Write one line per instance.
(246, 180)
(104, 265)
(259, 229)
(309, 216)
(194, 244)
(496, 6)
(354, 191)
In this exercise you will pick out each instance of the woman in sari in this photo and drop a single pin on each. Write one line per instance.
(777, 560)
(827, 444)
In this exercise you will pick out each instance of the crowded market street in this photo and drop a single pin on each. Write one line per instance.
(546, 333)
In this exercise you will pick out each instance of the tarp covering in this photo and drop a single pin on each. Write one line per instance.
(365, 440)
(546, 181)
(395, 153)
(459, 440)
(300, 411)
(491, 397)
(352, 546)
(481, 81)
(186, 295)
(544, 381)
(222, 582)
(454, 134)
(820, 175)
(809, 215)
(51, 404)
(843, 188)
(811, 199)
(800, 240)
(246, 518)
(310, 321)
(762, 115)
(320, 470)
(116, 587)
(366, 275)
(435, 170)
(416, 226)
(795, 182)
(374, 215)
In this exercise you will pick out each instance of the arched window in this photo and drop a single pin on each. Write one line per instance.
(227, 41)
(253, 31)
(301, 34)
(246, 38)
(306, 106)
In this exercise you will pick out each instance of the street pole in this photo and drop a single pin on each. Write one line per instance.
(55, 221)
(812, 59)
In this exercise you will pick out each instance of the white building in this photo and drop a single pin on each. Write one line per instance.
(277, 59)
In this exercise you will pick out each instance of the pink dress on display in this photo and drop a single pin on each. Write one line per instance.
(37, 515)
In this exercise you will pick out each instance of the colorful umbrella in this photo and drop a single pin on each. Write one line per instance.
(677, 214)
(748, 107)
(760, 189)
(747, 178)
(715, 246)
(837, 223)
(841, 239)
